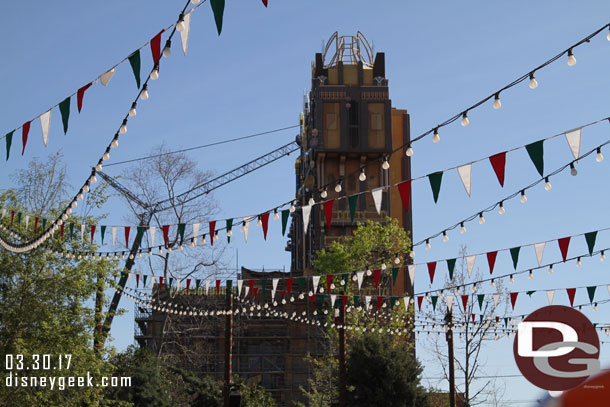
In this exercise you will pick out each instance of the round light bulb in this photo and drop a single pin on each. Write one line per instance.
(180, 26)
(463, 229)
(465, 121)
(123, 128)
(144, 94)
(98, 167)
(571, 58)
(93, 179)
(167, 51)
(409, 151)
(523, 197)
(106, 156)
(229, 233)
(428, 247)
(551, 269)
(292, 208)
(276, 215)
(481, 219)
(531, 275)
(362, 176)
(497, 103)
(600, 156)
(436, 138)
(603, 257)
(445, 237)
(573, 170)
(115, 143)
(132, 111)
(501, 211)
(512, 279)
(338, 188)
(578, 262)
(324, 193)
(397, 260)
(154, 75)
(533, 82)
(548, 185)
(385, 165)
(311, 201)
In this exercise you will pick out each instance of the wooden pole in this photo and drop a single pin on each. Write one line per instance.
(449, 321)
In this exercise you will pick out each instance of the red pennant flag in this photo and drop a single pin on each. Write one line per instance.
(379, 302)
(344, 300)
(12, 217)
(92, 232)
(217, 287)
(563, 246)
(311, 300)
(513, 299)
(165, 229)
(420, 298)
(405, 193)
(377, 276)
(329, 281)
(137, 280)
(282, 293)
(464, 301)
(251, 285)
(160, 283)
(188, 285)
(491, 260)
(127, 229)
(497, 318)
(265, 221)
(255, 292)
(212, 228)
(265, 3)
(289, 284)
(155, 47)
(328, 211)
(79, 96)
(498, 162)
(36, 224)
(25, 129)
(571, 294)
(62, 230)
(431, 270)
(472, 316)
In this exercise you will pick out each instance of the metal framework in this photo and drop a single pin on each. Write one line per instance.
(348, 49)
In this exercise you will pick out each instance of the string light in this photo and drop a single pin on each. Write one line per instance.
(436, 138)
(324, 193)
(578, 262)
(462, 228)
(603, 256)
(259, 222)
(386, 164)
(338, 187)
(497, 103)
(409, 150)
(180, 26)
(465, 122)
(501, 211)
(445, 237)
(292, 208)
(523, 197)
(276, 215)
(547, 184)
(531, 275)
(154, 75)
(132, 111)
(310, 202)
(144, 94)
(551, 269)
(571, 58)
(493, 284)
(428, 247)
(512, 279)
(362, 176)
(123, 128)
(600, 156)
(573, 170)
(533, 81)
(167, 51)
(481, 218)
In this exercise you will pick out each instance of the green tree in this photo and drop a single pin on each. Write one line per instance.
(253, 395)
(383, 373)
(45, 299)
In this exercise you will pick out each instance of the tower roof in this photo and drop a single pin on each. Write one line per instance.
(349, 49)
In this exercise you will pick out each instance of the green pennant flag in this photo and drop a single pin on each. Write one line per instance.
(345, 279)
(514, 253)
(171, 281)
(134, 61)
(434, 299)
(336, 304)
(394, 275)
(536, 153)
(481, 298)
(181, 227)
(451, 267)
(591, 291)
(506, 322)
(229, 225)
(229, 286)
(19, 218)
(71, 229)
(44, 223)
(301, 282)
(9, 141)
(352, 202)
(530, 292)
(197, 284)
(144, 278)
(139, 233)
(590, 238)
(218, 8)
(435, 183)
(392, 302)
(64, 109)
(356, 300)
(481, 318)
(264, 287)
(103, 232)
(285, 215)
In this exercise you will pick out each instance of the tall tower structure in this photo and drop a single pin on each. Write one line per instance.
(348, 122)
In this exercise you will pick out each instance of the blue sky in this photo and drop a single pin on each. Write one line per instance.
(440, 58)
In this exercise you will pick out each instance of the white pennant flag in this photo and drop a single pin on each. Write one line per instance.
(496, 298)
(240, 284)
(3, 212)
(106, 76)
(184, 34)
(82, 232)
(377, 194)
(306, 213)
(195, 232)
(449, 299)
(274, 283)
(246, 228)
(207, 286)
(113, 236)
(246, 290)
(470, 262)
(45, 122)
(153, 280)
(411, 268)
(465, 172)
(333, 298)
(539, 247)
(573, 138)
(367, 301)
(551, 293)
(406, 301)
(152, 230)
(360, 277)
(315, 280)
(128, 279)
(27, 220)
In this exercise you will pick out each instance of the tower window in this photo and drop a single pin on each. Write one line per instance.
(376, 125)
(331, 125)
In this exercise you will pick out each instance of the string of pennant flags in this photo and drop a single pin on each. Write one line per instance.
(498, 162)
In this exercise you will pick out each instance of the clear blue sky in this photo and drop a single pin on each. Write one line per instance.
(440, 58)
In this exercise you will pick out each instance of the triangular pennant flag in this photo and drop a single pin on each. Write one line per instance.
(151, 231)
(431, 270)
(93, 227)
(405, 194)
(406, 302)
(155, 47)
(218, 8)
(134, 61)
(352, 203)
(434, 299)
(229, 229)
(571, 294)
(573, 139)
(564, 243)
(196, 232)
(285, 215)
(498, 163)
(289, 282)
(377, 195)
(127, 229)
(449, 299)
(591, 292)
(435, 183)
(160, 283)
(327, 207)
(411, 268)
(137, 280)
(240, 284)
(306, 213)
(9, 142)
(344, 300)
(265, 2)
(45, 122)
(333, 300)
(536, 152)
(491, 260)
(451, 267)
(25, 130)
(265, 221)
(367, 301)
(71, 230)
(181, 229)
(62, 230)
(329, 281)
(481, 298)
(315, 280)
(420, 298)
(514, 253)
(539, 248)
(496, 298)
(360, 277)
(114, 228)
(377, 277)
(82, 232)
(301, 284)
(549, 295)
(79, 96)
(465, 172)
(312, 299)
(590, 238)
(27, 219)
(218, 288)
(394, 275)
(465, 301)
(165, 229)
(139, 233)
(184, 34)
(513, 299)
(188, 285)
(212, 228)
(246, 228)
(64, 109)
(470, 263)
(106, 76)
(36, 224)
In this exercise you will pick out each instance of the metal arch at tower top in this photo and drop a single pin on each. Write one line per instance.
(348, 49)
